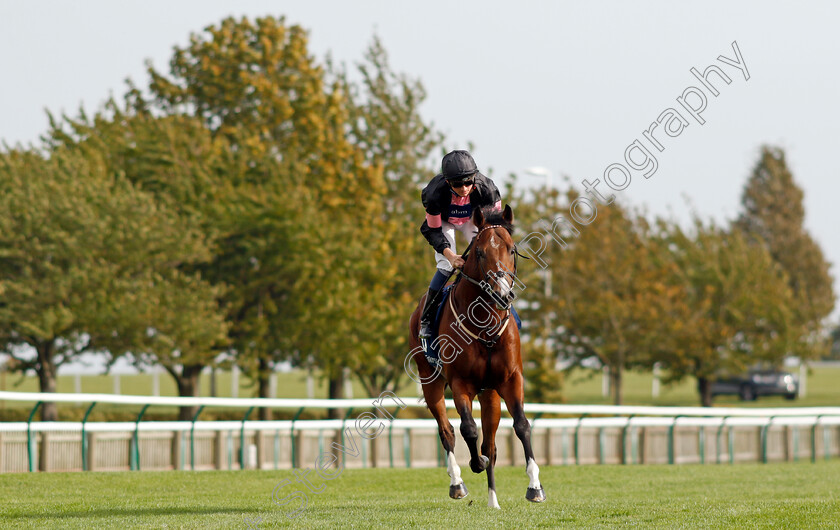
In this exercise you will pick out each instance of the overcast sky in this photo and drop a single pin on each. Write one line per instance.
(565, 86)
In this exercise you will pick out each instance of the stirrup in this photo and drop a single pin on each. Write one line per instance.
(424, 339)
(428, 333)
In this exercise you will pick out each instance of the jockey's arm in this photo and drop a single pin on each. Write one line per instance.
(454, 259)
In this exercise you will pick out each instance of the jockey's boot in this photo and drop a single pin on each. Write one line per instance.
(428, 314)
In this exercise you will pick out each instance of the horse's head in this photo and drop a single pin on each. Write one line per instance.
(494, 263)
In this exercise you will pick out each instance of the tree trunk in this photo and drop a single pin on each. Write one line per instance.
(264, 383)
(187, 383)
(615, 382)
(336, 391)
(47, 380)
(704, 387)
(213, 382)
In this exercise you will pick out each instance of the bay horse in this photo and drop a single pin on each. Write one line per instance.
(481, 356)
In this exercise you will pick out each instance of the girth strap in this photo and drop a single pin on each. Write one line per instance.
(488, 343)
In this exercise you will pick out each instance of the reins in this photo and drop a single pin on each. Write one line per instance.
(483, 286)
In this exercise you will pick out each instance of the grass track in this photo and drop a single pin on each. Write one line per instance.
(744, 496)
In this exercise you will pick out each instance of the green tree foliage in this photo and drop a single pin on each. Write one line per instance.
(91, 263)
(176, 160)
(544, 383)
(387, 127)
(348, 152)
(773, 214)
(611, 301)
(835, 343)
(734, 308)
(256, 85)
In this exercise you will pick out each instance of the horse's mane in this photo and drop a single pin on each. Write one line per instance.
(494, 217)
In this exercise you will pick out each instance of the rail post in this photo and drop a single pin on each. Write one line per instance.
(30, 443)
(826, 443)
(135, 453)
(407, 447)
(577, 438)
(814, 438)
(343, 424)
(717, 437)
(731, 436)
(242, 439)
(671, 457)
(391, 438)
(85, 463)
(624, 432)
(192, 437)
(764, 435)
(292, 437)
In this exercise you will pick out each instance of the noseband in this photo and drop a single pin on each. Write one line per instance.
(486, 285)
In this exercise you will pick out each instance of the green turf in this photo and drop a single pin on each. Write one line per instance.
(582, 387)
(744, 496)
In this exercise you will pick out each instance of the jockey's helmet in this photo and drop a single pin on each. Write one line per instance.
(458, 165)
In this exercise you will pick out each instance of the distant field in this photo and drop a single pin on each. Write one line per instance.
(823, 389)
(718, 496)
(581, 387)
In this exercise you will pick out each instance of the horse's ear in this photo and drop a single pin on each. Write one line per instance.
(507, 215)
(478, 218)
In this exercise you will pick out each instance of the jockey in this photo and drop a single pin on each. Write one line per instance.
(449, 200)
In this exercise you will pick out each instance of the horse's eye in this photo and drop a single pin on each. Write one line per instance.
(479, 253)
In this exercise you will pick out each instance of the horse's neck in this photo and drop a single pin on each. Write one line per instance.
(466, 291)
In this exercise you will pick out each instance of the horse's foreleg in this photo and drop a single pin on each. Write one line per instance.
(490, 413)
(513, 393)
(433, 392)
(462, 394)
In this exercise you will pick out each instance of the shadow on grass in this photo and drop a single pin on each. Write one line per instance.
(127, 512)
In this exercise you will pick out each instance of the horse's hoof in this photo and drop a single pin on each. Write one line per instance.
(459, 491)
(482, 464)
(535, 494)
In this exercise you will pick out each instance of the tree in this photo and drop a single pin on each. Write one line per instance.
(612, 302)
(256, 85)
(544, 383)
(85, 258)
(835, 343)
(178, 162)
(734, 307)
(773, 215)
(386, 126)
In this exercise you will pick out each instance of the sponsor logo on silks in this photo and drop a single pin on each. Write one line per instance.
(456, 210)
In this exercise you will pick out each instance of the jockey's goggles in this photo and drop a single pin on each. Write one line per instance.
(462, 183)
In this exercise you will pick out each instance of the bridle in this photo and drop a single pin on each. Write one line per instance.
(490, 277)
(485, 284)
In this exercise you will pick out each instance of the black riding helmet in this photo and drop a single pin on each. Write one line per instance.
(457, 166)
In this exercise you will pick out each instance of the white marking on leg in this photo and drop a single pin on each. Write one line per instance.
(453, 469)
(533, 473)
(492, 501)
